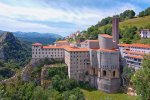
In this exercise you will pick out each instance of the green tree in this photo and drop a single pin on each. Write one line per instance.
(141, 14)
(107, 30)
(74, 94)
(104, 21)
(128, 14)
(141, 79)
(2, 92)
(128, 34)
(146, 12)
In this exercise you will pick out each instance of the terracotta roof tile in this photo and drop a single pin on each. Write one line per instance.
(106, 35)
(37, 44)
(53, 47)
(135, 45)
(62, 41)
(139, 57)
(94, 49)
(107, 50)
(93, 40)
(75, 49)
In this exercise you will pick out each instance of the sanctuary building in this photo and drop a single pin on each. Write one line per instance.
(95, 61)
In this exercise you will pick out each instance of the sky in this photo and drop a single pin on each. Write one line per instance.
(61, 16)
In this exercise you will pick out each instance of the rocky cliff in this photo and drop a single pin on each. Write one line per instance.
(11, 49)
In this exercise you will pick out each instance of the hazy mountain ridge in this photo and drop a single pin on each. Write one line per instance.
(45, 38)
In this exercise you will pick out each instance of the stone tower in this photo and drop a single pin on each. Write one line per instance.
(115, 31)
(108, 65)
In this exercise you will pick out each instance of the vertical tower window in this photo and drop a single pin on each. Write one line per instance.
(104, 73)
(114, 73)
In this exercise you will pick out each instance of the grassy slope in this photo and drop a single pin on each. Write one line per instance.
(138, 22)
(99, 95)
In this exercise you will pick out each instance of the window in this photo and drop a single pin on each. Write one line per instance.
(114, 73)
(104, 73)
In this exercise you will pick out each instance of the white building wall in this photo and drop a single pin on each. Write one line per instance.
(77, 64)
(39, 52)
(130, 61)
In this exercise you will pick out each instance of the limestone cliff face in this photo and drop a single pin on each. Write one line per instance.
(12, 49)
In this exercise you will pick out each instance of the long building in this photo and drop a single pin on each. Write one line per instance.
(95, 61)
(132, 54)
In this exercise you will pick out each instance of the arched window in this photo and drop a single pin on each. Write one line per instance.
(104, 73)
(114, 73)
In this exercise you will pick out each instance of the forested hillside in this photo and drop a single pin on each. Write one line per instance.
(129, 26)
(11, 49)
(14, 54)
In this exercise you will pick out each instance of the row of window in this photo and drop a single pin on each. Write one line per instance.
(112, 67)
(47, 49)
(47, 53)
(50, 56)
(134, 59)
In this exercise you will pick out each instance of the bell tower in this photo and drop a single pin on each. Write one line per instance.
(115, 31)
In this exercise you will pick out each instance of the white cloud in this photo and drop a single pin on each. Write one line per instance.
(13, 25)
(81, 17)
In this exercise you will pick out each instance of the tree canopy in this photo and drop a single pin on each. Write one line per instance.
(141, 79)
(145, 12)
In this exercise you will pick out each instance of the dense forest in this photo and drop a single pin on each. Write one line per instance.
(60, 87)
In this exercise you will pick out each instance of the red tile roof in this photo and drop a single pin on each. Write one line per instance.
(75, 49)
(135, 45)
(106, 35)
(37, 44)
(62, 41)
(94, 49)
(107, 50)
(53, 47)
(138, 57)
(93, 40)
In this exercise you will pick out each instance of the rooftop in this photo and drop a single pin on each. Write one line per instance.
(62, 41)
(92, 40)
(106, 35)
(37, 44)
(136, 45)
(75, 49)
(108, 50)
(53, 47)
(138, 57)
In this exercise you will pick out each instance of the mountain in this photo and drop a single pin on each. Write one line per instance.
(44, 38)
(12, 49)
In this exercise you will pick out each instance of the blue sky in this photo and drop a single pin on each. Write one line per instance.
(60, 16)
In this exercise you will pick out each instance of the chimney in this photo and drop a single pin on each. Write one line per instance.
(115, 31)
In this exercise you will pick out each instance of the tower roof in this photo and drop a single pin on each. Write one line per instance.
(106, 35)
